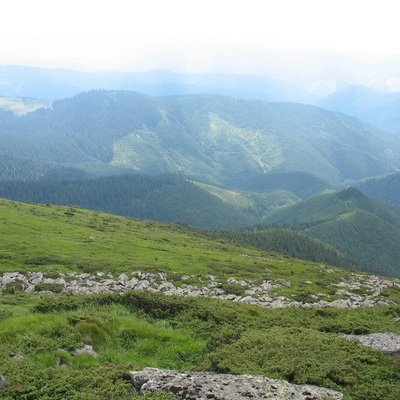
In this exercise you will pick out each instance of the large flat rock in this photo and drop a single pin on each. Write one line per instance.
(208, 385)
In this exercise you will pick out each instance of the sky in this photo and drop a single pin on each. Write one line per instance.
(192, 35)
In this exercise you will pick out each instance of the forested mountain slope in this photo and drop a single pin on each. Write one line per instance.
(166, 198)
(288, 242)
(385, 188)
(210, 138)
(361, 227)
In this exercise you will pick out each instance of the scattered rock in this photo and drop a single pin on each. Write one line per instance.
(30, 289)
(386, 342)
(207, 385)
(123, 278)
(253, 294)
(85, 350)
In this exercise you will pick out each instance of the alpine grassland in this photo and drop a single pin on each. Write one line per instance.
(40, 331)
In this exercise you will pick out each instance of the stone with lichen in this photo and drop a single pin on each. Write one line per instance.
(208, 385)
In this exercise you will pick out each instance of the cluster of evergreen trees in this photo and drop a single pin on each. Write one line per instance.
(288, 242)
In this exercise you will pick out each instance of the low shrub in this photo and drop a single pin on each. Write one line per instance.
(13, 287)
(304, 356)
(49, 287)
(233, 288)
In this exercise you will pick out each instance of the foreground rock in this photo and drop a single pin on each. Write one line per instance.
(205, 385)
(386, 342)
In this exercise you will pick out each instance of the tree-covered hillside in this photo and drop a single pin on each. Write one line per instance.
(302, 184)
(361, 227)
(165, 198)
(288, 242)
(210, 138)
(385, 188)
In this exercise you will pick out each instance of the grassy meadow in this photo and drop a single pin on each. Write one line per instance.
(139, 329)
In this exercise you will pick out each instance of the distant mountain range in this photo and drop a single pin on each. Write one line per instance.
(53, 84)
(378, 108)
(303, 77)
(210, 138)
(368, 90)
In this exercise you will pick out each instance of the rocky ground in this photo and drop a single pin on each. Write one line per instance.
(77, 284)
(347, 292)
(204, 385)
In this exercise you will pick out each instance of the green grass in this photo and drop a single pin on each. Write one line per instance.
(74, 239)
(136, 329)
(71, 239)
(123, 340)
(54, 239)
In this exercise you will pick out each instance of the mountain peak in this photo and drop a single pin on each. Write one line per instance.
(350, 193)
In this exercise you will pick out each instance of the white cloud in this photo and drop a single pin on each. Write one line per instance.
(123, 34)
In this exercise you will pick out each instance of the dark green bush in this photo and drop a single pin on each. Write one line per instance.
(27, 382)
(59, 303)
(156, 305)
(51, 287)
(13, 287)
(304, 356)
(348, 328)
(233, 288)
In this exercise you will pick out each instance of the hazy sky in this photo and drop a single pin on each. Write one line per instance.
(187, 34)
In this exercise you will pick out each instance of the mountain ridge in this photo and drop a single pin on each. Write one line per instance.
(201, 136)
(376, 107)
(54, 84)
(361, 227)
(385, 188)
